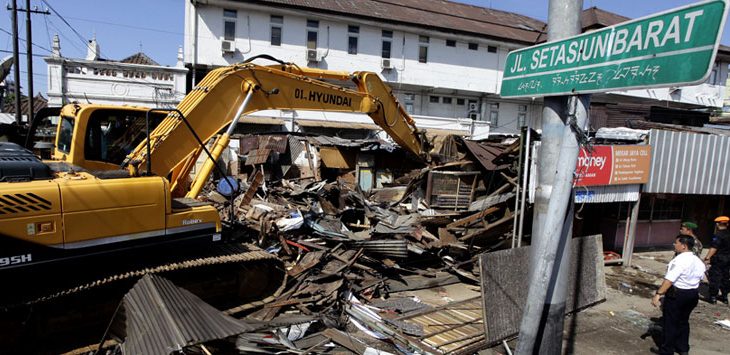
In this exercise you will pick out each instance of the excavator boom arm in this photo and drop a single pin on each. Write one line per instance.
(217, 100)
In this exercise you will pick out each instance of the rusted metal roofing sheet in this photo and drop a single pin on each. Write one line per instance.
(438, 14)
(505, 283)
(596, 18)
(161, 318)
(257, 156)
(457, 328)
(486, 153)
(689, 163)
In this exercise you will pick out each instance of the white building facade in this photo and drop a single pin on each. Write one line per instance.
(444, 60)
(136, 80)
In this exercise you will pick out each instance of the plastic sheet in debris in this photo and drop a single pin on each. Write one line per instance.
(294, 221)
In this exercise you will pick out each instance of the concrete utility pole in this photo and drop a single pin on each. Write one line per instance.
(16, 62)
(29, 57)
(542, 321)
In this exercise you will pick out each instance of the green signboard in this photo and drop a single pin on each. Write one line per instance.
(676, 47)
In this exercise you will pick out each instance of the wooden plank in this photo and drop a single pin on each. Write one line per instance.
(470, 219)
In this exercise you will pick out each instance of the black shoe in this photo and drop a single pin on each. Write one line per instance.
(722, 299)
(711, 300)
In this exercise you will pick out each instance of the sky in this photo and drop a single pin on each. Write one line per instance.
(156, 27)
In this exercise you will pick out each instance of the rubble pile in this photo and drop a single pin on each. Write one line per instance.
(355, 228)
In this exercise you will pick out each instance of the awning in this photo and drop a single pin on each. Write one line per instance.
(262, 120)
(336, 124)
(446, 132)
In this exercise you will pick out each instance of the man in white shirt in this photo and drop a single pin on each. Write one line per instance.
(680, 291)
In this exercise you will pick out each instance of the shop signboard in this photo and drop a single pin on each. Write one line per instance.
(613, 165)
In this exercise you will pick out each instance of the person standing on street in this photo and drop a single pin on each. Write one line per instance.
(688, 228)
(680, 291)
(719, 259)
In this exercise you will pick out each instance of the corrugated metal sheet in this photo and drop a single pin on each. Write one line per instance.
(392, 248)
(505, 284)
(162, 318)
(605, 194)
(456, 328)
(689, 163)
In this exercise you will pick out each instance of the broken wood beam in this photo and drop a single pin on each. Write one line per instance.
(492, 225)
(473, 218)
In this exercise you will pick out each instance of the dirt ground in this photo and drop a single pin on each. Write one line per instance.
(620, 325)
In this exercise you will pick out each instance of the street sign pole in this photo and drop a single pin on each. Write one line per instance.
(541, 328)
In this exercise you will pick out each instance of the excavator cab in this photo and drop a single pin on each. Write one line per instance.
(99, 137)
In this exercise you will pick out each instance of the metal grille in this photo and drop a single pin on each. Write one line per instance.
(20, 203)
(452, 190)
(689, 163)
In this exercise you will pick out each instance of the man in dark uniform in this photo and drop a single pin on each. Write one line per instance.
(680, 291)
(719, 259)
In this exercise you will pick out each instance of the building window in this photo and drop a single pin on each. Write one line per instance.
(409, 98)
(460, 102)
(450, 43)
(409, 108)
(491, 49)
(423, 49)
(473, 110)
(386, 49)
(352, 31)
(433, 99)
(473, 46)
(446, 100)
(494, 114)
(229, 24)
(276, 25)
(387, 37)
(521, 115)
(312, 31)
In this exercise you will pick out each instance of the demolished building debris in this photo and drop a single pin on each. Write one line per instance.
(357, 224)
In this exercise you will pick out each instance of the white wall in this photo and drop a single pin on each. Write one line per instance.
(450, 71)
(105, 83)
(447, 68)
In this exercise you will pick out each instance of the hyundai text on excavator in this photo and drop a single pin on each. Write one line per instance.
(115, 202)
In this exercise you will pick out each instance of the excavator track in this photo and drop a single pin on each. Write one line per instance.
(254, 255)
(224, 275)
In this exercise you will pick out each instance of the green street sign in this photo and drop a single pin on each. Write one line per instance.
(676, 47)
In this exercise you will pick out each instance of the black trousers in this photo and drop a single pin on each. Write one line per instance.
(719, 275)
(678, 305)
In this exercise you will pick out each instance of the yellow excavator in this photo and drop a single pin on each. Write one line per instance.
(115, 186)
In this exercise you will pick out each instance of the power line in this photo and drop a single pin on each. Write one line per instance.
(67, 24)
(35, 55)
(37, 45)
